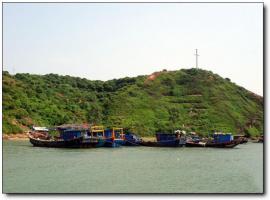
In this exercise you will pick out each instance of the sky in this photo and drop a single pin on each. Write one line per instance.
(107, 41)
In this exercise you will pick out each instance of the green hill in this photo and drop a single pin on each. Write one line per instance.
(187, 99)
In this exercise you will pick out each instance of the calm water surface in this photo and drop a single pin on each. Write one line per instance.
(28, 169)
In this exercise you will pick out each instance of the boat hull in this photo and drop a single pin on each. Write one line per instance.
(131, 139)
(161, 144)
(113, 142)
(131, 143)
(74, 143)
(195, 144)
(92, 143)
(230, 144)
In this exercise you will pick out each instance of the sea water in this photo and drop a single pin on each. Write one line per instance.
(28, 169)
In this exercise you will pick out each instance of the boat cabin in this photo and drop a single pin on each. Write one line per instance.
(131, 136)
(96, 131)
(222, 137)
(115, 133)
(40, 132)
(64, 127)
(71, 134)
(40, 129)
(167, 136)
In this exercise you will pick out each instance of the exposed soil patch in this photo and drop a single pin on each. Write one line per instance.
(17, 136)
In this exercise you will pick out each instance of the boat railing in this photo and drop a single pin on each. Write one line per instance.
(95, 131)
(120, 131)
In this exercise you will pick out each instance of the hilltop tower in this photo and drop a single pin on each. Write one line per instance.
(196, 54)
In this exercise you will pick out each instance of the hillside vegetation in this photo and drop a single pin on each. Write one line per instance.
(187, 99)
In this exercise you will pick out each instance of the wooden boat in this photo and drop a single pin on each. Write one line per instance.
(167, 139)
(152, 144)
(96, 134)
(158, 144)
(230, 144)
(69, 138)
(164, 140)
(57, 143)
(131, 139)
(222, 140)
(92, 143)
(195, 144)
(194, 141)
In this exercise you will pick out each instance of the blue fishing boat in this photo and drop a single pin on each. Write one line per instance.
(114, 137)
(166, 140)
(222, 140)
(71, 136)
(95, 136)
(131, 139)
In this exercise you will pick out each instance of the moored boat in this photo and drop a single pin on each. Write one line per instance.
(96, 136)
(221, 140)
(56, 143)
(165, 140)
(114, 137)
(195, 144)
(193, 140)
(230, 144)
(70, 137)
(131, 139)
(151, 144)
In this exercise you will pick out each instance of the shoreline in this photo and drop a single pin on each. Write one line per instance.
(24, 136)
(15, 136)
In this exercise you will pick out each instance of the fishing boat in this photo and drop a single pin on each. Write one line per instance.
(194, 141)
(131, 139)
(54, 142)
(164, 140)
(91, 137)
(221, 140)
(230, 144)
(69, 137)
(96, 136)
(114, 137)
(195, 144)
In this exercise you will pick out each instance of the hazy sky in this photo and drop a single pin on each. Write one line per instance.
(106, 41)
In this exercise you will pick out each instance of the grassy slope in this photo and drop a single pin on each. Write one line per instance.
(194, 100)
